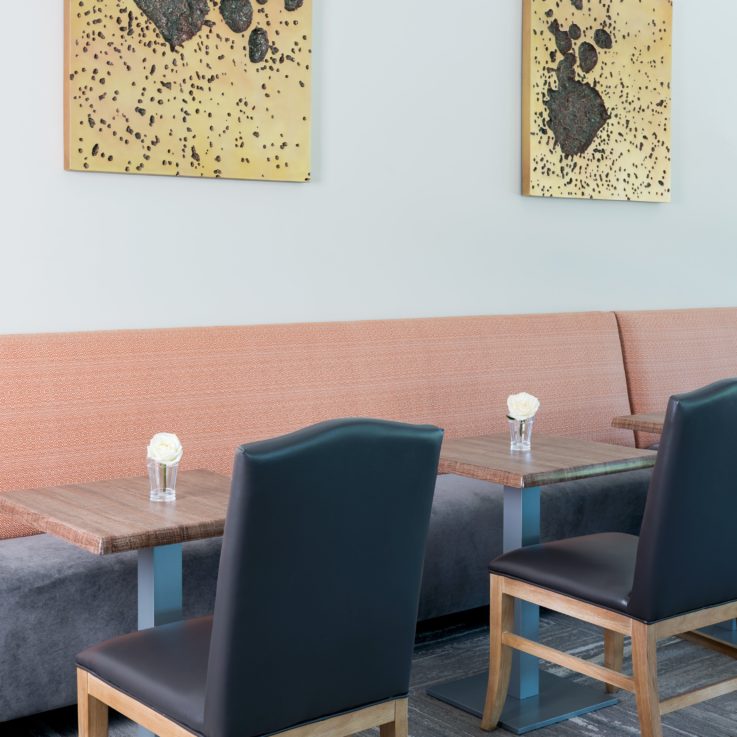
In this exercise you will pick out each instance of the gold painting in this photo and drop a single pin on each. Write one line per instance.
(597, 99)
(204, 88)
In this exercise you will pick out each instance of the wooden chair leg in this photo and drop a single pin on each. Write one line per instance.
(92, 714)
(400, 726)
(613, 654)
(645, 672)
(500, 655)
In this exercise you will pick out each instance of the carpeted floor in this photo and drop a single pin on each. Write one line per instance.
(456, 653)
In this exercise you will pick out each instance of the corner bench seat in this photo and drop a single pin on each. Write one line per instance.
(56, 600)
(87, 396)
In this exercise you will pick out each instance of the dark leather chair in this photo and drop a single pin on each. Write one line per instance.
(316, 602)
(679, 575)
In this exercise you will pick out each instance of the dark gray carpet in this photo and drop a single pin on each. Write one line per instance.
(682, 666)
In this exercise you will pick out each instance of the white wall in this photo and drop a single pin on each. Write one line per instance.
(415, 208)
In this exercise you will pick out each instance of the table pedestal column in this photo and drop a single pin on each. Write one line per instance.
(159, 590)
(536, 699)
(726, 631)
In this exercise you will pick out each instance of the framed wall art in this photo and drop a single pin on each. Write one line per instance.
(204, 88)
(597, 99)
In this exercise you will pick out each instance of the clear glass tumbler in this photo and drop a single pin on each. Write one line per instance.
(520, 432)
(163, 480)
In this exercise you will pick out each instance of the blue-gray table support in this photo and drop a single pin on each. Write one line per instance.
(536, 699)
(159, 590)
(725, 631)
(159, 585)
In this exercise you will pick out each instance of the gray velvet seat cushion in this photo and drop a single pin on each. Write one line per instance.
(466, 530)
(56, 600)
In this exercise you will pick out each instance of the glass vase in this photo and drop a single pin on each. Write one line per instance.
(520, 432)
(163, 481)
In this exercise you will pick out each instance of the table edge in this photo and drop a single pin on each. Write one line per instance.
(545, 478)
(100, 545)
(629, 423)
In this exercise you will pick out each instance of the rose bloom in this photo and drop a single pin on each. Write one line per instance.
(165, 448)
(522, 406)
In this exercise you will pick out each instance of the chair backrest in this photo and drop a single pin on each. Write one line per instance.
(320, 572)
(687, 556)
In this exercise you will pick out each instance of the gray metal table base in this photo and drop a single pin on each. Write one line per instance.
(536, 699)
(726, 631)
(159, 590)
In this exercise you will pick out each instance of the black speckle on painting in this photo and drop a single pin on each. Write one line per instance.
(566, 71)
(562, 39)
(258, 45)
(574, 31)
(603, 39)
(578, 4)
(177, 20)
(237, 14)
(577, 114)
(293, 4)
(577, 110)
(588, 57)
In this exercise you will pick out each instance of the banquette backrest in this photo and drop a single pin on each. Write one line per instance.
(81, 406)
(669, 352)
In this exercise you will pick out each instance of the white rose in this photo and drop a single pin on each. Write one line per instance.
(522, 406)
(165, 448)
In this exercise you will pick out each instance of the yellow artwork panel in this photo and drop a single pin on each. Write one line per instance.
(202, 88)
(597, 99)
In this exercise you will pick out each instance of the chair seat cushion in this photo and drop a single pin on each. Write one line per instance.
(598, 569)
(164, 668)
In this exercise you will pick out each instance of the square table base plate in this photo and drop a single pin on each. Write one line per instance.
(559, 699)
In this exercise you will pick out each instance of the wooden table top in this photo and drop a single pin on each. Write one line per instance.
(106, 517)
(552, 459)
(641, 423)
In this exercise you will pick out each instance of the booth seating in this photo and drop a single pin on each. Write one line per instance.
(82, 407)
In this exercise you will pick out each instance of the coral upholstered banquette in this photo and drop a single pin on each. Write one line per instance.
(81, 407)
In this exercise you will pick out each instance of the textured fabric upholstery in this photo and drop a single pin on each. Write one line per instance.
(90, 401)
(673, 351)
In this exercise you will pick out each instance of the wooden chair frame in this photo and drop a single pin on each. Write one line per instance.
(644, 681)
(94, 697)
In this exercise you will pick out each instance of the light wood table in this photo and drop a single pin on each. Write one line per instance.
(652, 423)
(536, 699)
(106, 517)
